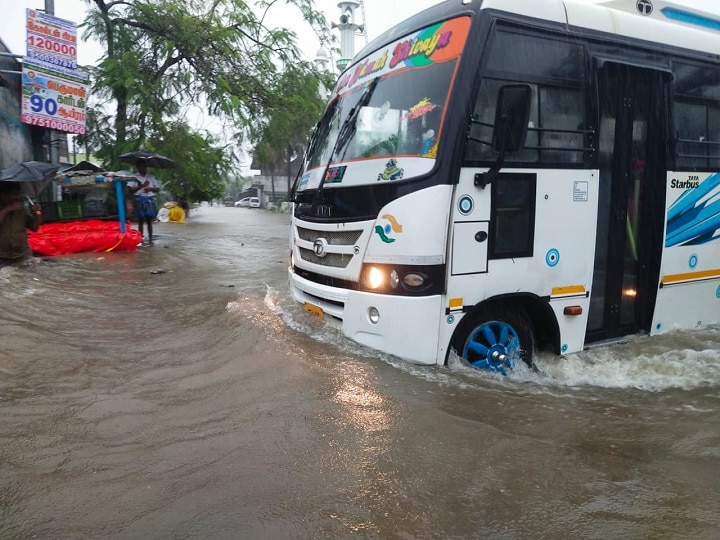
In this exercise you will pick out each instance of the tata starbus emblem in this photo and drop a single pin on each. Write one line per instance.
(319, 247)
(644, 7)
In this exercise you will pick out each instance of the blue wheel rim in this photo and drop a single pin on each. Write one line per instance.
(492, 346)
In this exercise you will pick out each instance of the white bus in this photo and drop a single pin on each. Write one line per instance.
(498, 176)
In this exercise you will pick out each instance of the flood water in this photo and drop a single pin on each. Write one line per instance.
(178, 392)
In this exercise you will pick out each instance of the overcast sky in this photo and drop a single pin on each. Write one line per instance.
(380, 15)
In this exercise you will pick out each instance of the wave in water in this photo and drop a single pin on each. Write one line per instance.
(676, 360)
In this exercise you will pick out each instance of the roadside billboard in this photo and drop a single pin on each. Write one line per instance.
(52, 98)
(51, 40)
(54, 91)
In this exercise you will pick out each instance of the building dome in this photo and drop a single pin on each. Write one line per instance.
(322, 54)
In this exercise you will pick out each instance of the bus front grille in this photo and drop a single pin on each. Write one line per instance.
(335, 260)
(333, 238)
(336, 253)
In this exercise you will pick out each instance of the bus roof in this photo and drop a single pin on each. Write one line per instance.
(664, 22)
(681, 23)
(659, 21)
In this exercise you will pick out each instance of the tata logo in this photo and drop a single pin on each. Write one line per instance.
(319, 247)
(644, 7)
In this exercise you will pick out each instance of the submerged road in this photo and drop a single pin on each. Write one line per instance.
(178, 392)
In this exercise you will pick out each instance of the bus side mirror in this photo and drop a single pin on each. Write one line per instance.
(511, 118)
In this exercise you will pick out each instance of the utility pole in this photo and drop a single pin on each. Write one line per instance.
(53, 135)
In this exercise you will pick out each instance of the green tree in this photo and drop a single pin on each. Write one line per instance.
(284, 134)
(165, 58)
(200, 175)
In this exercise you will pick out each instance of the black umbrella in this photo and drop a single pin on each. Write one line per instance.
(34, 176)
(83, 166)
(150, 158)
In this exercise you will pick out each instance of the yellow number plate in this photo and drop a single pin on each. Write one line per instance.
(315, 310)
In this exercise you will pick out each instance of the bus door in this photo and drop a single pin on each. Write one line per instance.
(633, 109)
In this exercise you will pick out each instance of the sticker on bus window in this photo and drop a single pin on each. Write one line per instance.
(421, 108)
(392, 171)
(429, 148)
(335, 175)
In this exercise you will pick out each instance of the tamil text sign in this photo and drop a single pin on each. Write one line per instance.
(54, 91)
(52, 98)
(51, 40)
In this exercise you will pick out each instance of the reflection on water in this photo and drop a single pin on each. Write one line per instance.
(179, 392)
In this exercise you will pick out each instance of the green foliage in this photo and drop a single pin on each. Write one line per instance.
(299, 105)
(200, 174)
(167, 58)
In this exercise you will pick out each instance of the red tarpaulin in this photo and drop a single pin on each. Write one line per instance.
(83, 236)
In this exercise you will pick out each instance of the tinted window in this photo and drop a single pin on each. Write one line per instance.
(512, 226)
(697, 116)
(697, 81)
(536, 57)
(556, 71)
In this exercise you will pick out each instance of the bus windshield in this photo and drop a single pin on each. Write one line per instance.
(390, 104)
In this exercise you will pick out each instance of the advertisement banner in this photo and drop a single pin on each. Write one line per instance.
(54, 99)
(51, 40)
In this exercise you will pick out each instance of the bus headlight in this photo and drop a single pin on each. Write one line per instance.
(414, 280)
(374, 278)
(394, 279)
(408, 280)
(380, 278)
(374, 315)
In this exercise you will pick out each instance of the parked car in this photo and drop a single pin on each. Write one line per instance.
(254, 202)
(243, 202)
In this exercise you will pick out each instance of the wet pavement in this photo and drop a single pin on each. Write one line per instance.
(178, 392)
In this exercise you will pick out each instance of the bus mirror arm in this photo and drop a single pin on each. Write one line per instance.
(512, 113)
(483, 179)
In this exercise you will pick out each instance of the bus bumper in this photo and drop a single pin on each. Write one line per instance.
(407, 327)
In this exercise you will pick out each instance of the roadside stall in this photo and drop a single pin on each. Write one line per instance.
(88, 214)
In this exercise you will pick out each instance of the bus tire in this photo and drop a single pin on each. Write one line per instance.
(497, 338)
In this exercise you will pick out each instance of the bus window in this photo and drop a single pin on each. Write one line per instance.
(555, 71)
(562, 110)
(512, 225)
(403, 117)
(697, 117)
(557, 62)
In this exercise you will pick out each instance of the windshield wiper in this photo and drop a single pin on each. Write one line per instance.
(348, 129)
(322, 128)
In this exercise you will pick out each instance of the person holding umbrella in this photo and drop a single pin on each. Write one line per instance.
(145, 195)
(14, 223)
(145, 189)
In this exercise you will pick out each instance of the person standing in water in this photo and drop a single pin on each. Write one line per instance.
(14, 224)
(145, 189)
